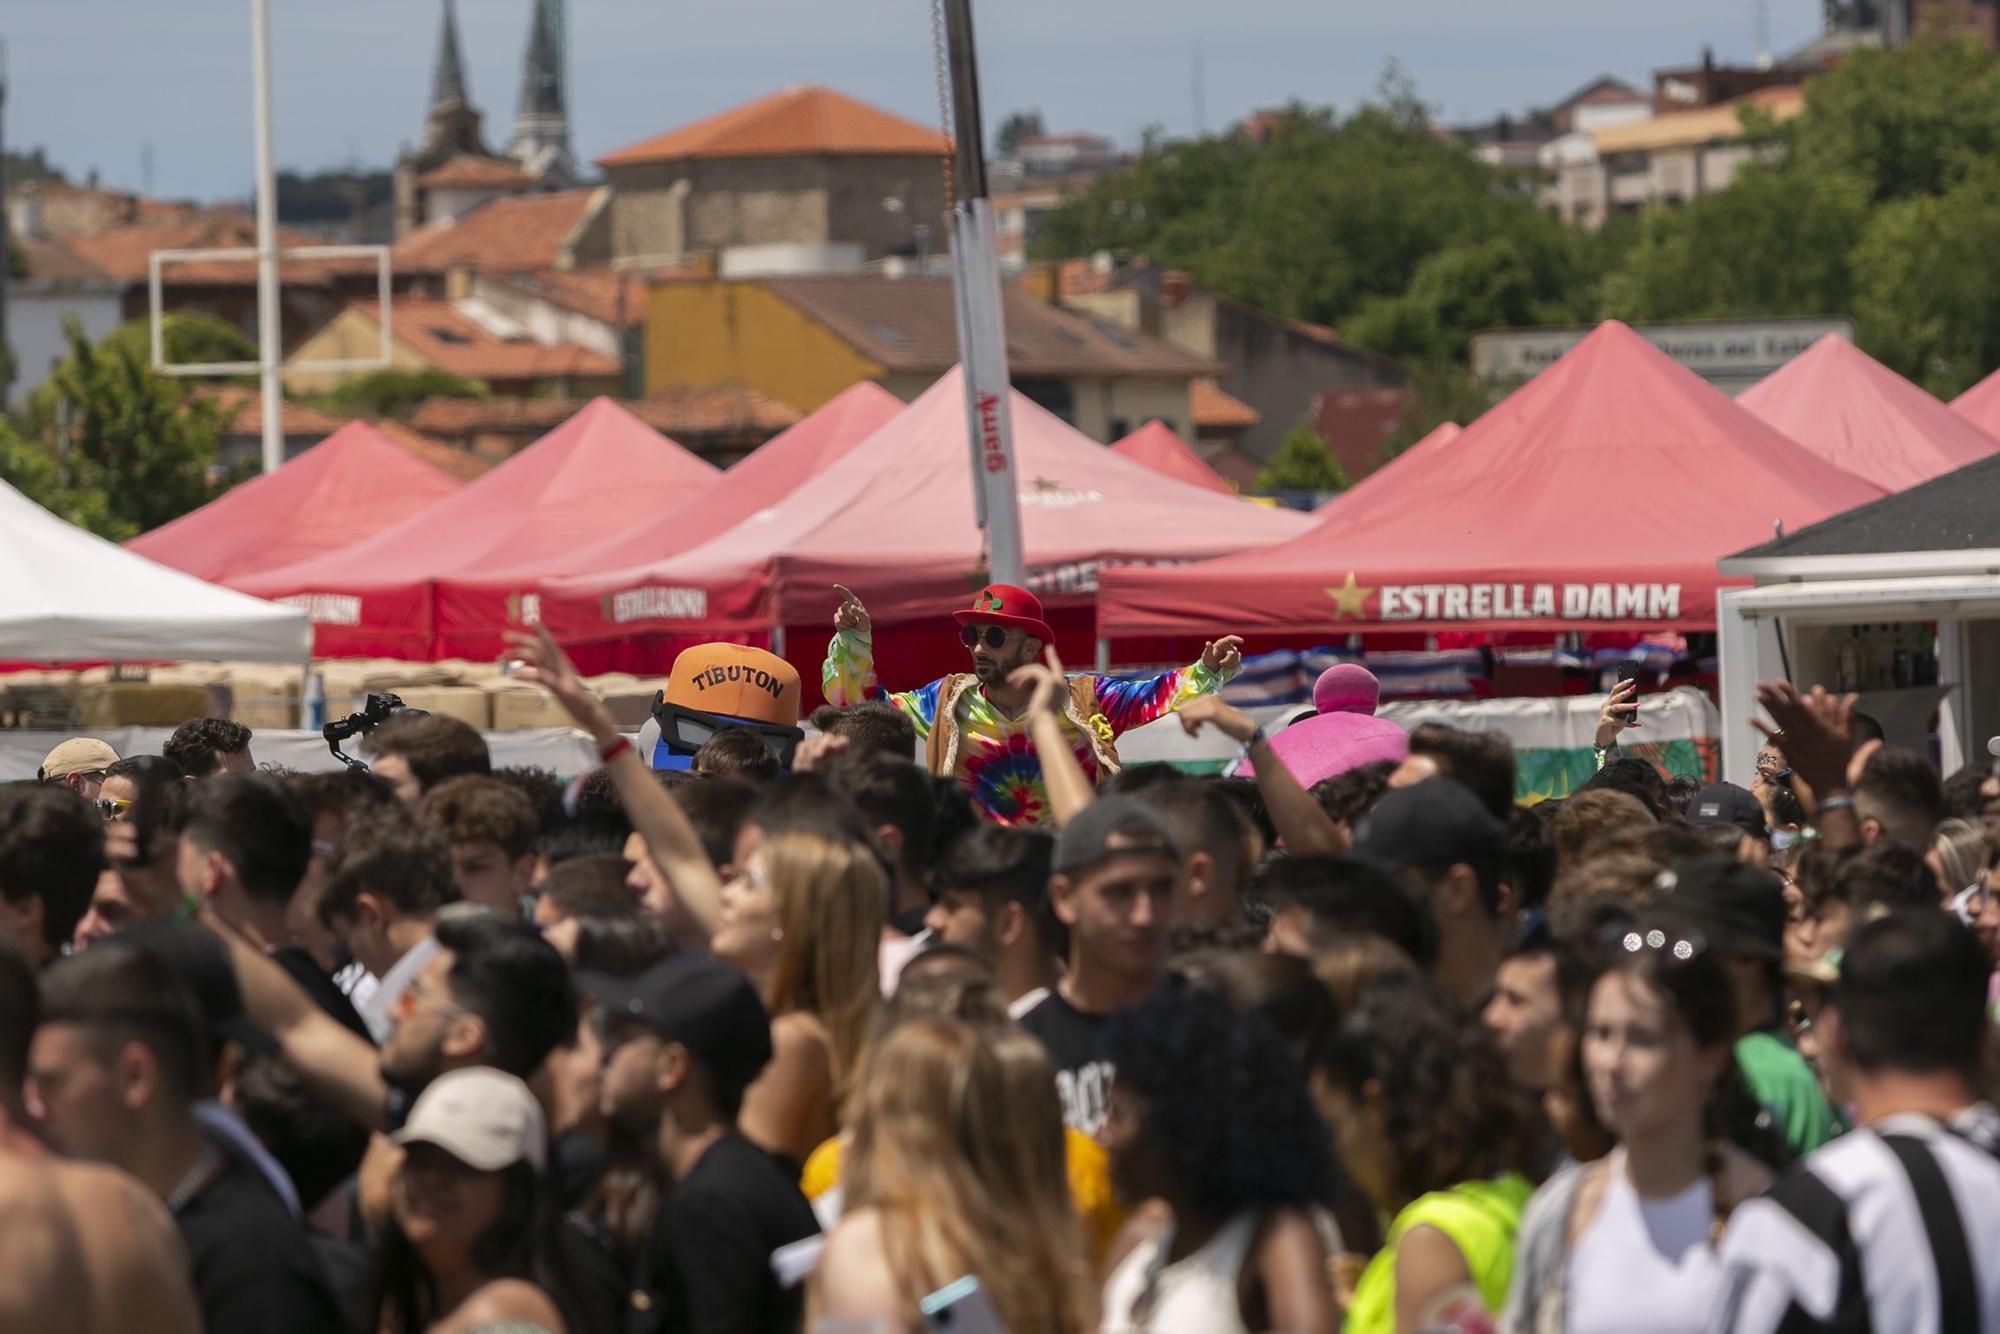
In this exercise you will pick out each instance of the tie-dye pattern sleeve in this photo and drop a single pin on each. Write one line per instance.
(848, 677)
(1129, 704)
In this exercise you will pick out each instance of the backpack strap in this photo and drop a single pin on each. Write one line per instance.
(1823, 1213)
(1958, 1291)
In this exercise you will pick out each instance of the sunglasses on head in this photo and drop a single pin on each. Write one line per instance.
(971, 636)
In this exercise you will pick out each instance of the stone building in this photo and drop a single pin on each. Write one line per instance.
(806, 167)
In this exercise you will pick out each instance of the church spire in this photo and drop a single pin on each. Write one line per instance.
(541, 124)
(448, 78)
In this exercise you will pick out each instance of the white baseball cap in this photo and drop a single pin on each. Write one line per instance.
(486, 1119)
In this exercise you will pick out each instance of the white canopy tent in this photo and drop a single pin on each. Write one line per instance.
(68, 596)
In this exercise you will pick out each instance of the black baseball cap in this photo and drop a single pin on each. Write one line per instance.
(1438, 822)
(698, 1001)
(1726, 803)
(1741, 909)
(1086, 839)
(201, 963)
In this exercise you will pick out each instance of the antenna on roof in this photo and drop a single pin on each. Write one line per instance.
(1760, 11)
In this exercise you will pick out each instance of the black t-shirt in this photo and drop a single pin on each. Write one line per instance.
(707, 1267)
(254, 1269)
(324, 992)
(1075, 1044)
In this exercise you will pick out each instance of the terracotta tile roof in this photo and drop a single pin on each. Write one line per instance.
(245, 407)
(55, 261)
(799, 122)
(470, 170)
(1216, 409)
(908, 324)
(123, 252)
(519, 234)
(457, 462)
(616, 297)
(456, 344)
(727, 410)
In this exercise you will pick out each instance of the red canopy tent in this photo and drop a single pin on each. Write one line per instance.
(1859, 415)
(893, 521)
(601, 471)
(1980, 405)
(349, 486)
(474, 607)
(1163, 451)
(1598, 496)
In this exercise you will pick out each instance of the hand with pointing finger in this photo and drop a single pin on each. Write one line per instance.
(850, 614)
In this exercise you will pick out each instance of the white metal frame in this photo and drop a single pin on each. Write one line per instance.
(161, 259)
(270, 342)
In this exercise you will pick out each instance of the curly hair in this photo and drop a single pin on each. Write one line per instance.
(1206, 1074)
(1347, 796)
(1449, 1112)
(199, 744)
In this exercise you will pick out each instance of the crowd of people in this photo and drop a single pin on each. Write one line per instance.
(942, 1018)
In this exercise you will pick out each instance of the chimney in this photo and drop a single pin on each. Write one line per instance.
(1175, 288)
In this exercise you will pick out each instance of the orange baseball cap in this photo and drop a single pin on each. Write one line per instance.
(736, 681)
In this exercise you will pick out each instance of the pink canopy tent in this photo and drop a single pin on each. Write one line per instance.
(1859, 415)
(1165, 453)
(601, 471)
(893, 521)
(474, 607)
(1596, 497)
(1980, 405)
(349, 486)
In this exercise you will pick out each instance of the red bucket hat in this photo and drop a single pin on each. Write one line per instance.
(1010, 607)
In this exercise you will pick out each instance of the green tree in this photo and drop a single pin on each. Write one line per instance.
(393, 392)
(1928, 285)
(1019, 125)
(127, 449)
(1776, 242)
(1302, 463)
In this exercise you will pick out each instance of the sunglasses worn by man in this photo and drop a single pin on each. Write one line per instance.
(975, 723)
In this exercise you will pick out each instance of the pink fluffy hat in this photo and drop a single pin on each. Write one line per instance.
(1343, 733)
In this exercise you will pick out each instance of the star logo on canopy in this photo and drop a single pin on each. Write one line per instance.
(1350, 599)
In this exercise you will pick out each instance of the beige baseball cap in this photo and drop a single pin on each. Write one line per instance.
(487, 1119)
(78, 755)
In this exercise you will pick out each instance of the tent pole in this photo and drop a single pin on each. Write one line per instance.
(1103, 654)
(778, 640)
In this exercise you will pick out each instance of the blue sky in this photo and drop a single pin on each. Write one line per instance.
(97, 81)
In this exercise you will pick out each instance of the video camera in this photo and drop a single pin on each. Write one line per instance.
(375, 710)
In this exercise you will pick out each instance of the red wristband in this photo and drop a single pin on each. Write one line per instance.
(615, 749)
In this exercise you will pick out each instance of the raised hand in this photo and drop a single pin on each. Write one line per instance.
(1047, 679)
(1224, 655)
(1815, 731)
(1620, 711)
(1229, 720)
(816, 750)
(544, 664)
(850, 614)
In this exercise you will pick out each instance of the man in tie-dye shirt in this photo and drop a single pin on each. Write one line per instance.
(974, 725)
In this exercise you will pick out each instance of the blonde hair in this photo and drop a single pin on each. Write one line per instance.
(1962, 850)
(958, 1147)
(832, 902)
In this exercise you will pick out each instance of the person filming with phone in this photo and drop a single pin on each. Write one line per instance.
(975, 725)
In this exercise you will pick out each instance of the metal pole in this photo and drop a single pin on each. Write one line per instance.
(6, 379)
(982, 334)
(270, 337)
